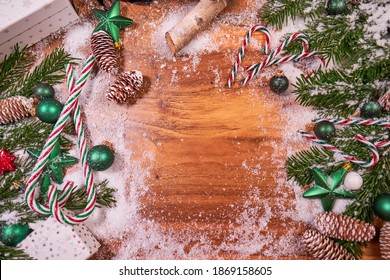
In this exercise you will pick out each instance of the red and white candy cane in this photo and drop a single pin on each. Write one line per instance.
(30, 191)
(359, 121)
(241, 53)
(256, 68)
(373, 148)
(271, 60)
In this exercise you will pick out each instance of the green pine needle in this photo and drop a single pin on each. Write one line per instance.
(47, 71)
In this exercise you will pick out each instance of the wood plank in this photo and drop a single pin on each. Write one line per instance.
(202, 135)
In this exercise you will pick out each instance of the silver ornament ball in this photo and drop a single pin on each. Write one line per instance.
(353, 181)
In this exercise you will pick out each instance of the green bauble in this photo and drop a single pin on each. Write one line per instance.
(100, 157)
(382, 206)
(325, 130)
(370, 109)
(336, 7)
(44, 91)
(49, 110)
(12, 235)
(279, 83)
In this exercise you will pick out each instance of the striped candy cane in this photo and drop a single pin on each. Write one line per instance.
(365, 122)
(375, 154)
(31, 185)
(244, 45)
(256, 68)
(271, 60)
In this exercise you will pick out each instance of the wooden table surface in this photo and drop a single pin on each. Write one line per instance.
(202, 135)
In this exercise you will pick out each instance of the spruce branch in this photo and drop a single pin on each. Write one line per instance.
(105, 197)
(299, 166)
(278, 12)
(13, 67)
(354, 248)
(10, 253)
(47, 71)
(29, 134)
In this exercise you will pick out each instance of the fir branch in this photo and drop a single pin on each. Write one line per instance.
(376, 181)
(354, 248)
(29, 134)
(10, 253)
(46, 71)
(335, 92)
(105, 197)
(278, 12)
(13, 67)
(299, 166)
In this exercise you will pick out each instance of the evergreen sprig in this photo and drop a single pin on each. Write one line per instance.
(13, 67)
(30, 133)
(11, 253)
(278, 12)
(361, 56)
(47, 71)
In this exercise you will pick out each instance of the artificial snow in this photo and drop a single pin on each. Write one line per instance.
(249, 232)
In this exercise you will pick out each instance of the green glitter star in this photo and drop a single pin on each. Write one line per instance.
(56, 162)
(111, 21)
(327, 187)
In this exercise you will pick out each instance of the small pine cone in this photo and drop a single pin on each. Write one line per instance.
(385, 101)
(344, 227)
(126, 86)
(15, 108)
(323, 248)
(384, 241)
(104, 51)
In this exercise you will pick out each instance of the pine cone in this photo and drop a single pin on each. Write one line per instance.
(323, 248)
(385, 101)
(104, 51)
(15, 108)
(344, 227)
(384, 241)
(126, 85)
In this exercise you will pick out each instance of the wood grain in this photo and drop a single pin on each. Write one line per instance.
(201, 135)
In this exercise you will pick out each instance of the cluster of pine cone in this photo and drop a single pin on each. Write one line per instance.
(331, 225)
(127, 84)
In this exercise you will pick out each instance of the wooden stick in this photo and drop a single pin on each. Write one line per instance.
(200, 16)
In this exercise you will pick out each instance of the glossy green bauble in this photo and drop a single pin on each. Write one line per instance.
(371, 109)
(279, 84)
(100, 158)
(44, 91)
(336, 7)
(382, 206)
(49, 110)
(325, 130)
(12, 235)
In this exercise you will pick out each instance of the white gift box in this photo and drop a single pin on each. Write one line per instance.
(28, 21)
(52, 240)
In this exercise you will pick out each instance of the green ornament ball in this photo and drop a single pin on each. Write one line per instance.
(49, 110)
(382, 206)
(336, 7)
(100, 157)
(12, 235)
(44, 91)
(370, 109)
(325, 130)
(279, 83)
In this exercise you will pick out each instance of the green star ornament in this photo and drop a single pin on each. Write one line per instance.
(111, 21)
(327, 187)
(56, 162)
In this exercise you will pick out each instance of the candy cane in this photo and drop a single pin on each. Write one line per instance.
(244, 45)
(375, 154)
(54, 203)
(256, 68)
(365, 122)
(72, 100)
